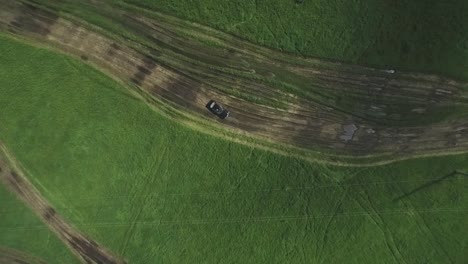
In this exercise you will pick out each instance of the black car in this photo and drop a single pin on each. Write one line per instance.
(217, 109)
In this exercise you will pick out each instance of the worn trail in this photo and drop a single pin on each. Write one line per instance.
(85, 248)
(329, 111)
(11, 256)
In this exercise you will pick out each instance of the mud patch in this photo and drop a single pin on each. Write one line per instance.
(182, 92)
(88, 250)
(114, 48)
(33, 20)
(49, 213)
(143, 70)
(348, 132)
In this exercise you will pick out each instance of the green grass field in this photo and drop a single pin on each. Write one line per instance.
(21, 230)
(154, 191)
(420, 35)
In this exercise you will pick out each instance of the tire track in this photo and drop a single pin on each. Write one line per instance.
(12, 256)
(327, 226)
(315, 124)
(380, 224)
(146, 193)
(419, 219)
(85, 248)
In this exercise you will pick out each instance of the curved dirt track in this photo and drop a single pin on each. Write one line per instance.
(310, 105)
(11, 256)
(86, 249)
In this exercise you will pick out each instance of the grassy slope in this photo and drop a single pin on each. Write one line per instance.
(421, 35)
(20, 229)
(155, 191)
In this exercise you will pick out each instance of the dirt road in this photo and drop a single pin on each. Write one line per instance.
(333, 110)
(11, 256)
(86, 249)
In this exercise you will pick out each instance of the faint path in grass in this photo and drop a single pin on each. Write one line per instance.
(438, 247)
(270, 219)
(234, 191)
(324, 239)
(419, 218)
(146, 194)
(366, 204)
